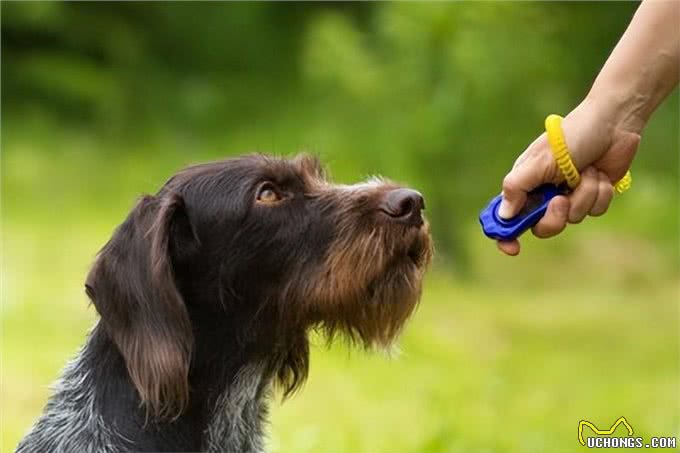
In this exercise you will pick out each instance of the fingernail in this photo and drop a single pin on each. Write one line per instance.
(504, 209)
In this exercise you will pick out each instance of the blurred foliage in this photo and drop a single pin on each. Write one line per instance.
(104, 100)
(440, 95)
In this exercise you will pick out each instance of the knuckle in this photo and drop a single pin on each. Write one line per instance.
(606, 191)
(590, 172)
(604, 198)
(592, 181)
(589, 182)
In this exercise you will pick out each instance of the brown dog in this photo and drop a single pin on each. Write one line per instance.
(207, 293)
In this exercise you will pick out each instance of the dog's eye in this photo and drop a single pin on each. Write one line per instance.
(267, 193)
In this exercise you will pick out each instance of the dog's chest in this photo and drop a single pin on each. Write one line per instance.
(239, 415)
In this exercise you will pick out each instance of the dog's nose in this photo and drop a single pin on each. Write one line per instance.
(404, 205)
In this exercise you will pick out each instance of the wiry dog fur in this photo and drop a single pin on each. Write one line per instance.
(207, 293)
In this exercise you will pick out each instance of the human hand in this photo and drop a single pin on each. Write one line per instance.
(601, 150)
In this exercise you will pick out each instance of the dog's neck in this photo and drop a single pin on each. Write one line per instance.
(226, 411)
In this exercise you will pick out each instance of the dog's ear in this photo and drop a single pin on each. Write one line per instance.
(132, 285)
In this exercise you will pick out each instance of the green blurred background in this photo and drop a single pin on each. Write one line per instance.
(103, 101)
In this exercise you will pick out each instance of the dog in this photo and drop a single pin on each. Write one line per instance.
(207, 292)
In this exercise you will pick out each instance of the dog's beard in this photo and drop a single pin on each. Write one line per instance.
(371, 286)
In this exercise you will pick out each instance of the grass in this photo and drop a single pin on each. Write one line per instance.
(485, 372)
(507, 359)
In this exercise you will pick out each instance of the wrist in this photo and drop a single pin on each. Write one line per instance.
(625, 104)
(619, 107)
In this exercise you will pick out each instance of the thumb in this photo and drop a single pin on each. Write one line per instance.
(513, 197)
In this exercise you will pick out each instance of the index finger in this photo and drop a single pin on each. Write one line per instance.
(535, 166)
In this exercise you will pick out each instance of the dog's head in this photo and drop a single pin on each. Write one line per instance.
(268, 242)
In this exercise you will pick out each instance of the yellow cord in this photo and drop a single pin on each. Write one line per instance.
(624, 183)
(558, 145)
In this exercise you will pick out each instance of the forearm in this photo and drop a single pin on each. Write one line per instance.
(643, 68)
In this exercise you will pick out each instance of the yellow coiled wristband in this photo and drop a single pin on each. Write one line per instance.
(558, 145)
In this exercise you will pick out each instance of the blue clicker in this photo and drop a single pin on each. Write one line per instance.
(507, 229)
